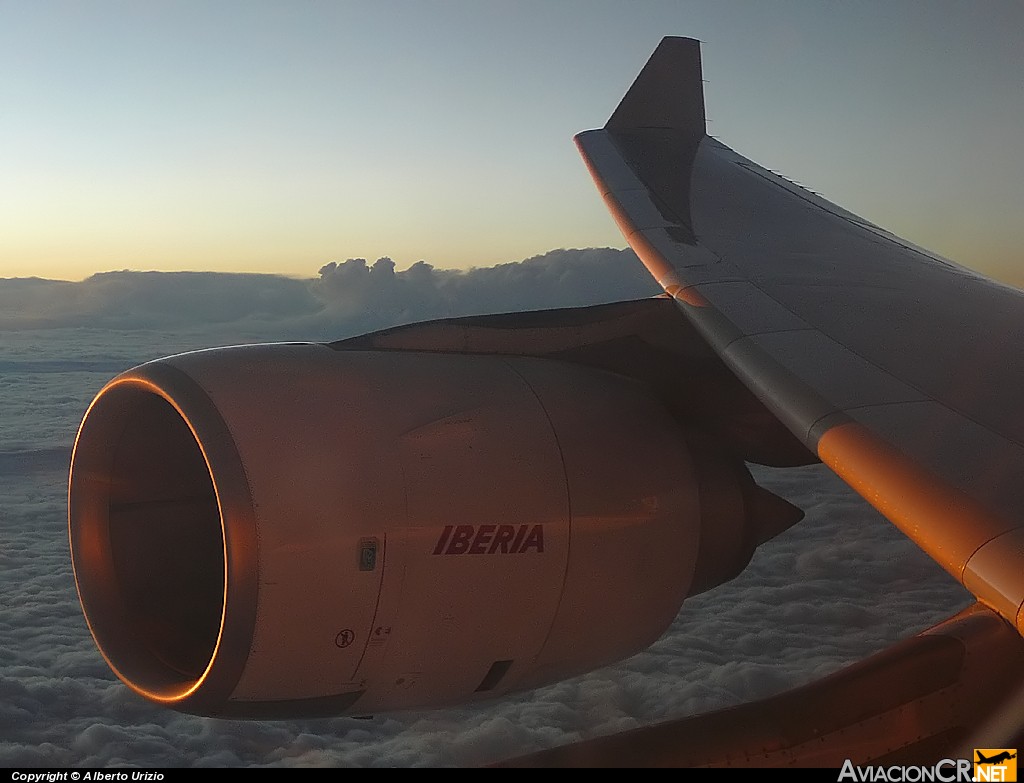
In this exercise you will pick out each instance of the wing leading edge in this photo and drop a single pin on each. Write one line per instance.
(898, 368)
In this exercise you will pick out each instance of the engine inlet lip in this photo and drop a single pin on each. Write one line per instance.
(87, 529)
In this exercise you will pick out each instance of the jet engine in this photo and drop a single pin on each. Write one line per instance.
(275, 530)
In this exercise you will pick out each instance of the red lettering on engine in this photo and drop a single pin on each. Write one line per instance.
(490, 539)
(514, 546)
(461, 537)
(535, 540)
(502, 539)
(443, 539)
(482, 539)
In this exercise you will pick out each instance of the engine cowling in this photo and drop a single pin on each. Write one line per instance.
(274, 530)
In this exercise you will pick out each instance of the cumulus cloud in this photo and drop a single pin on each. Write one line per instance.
(840, 585)
(354, 291)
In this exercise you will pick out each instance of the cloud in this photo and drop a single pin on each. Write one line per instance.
(354, 289)
(127, 300)
(34, 461)
(345, 298)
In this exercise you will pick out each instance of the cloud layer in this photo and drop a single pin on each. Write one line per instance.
(345, 298)
(839, 586)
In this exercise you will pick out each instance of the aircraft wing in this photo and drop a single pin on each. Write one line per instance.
(901, 370)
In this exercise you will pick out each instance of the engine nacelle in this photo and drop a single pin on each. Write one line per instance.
(275, 530)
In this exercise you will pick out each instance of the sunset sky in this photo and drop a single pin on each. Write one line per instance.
(275, 137)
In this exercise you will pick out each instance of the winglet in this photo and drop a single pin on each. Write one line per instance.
(668, 93)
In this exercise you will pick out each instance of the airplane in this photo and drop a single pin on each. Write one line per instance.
(1004, 756)
(454, 510)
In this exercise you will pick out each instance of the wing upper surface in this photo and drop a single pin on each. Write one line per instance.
(900, 369)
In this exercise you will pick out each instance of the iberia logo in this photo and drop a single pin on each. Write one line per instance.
(998, 764)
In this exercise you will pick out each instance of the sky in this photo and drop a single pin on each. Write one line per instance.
(837, 587)
(256, 136)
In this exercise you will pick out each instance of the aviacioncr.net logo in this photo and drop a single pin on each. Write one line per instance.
(995, 764)
(944, 771)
